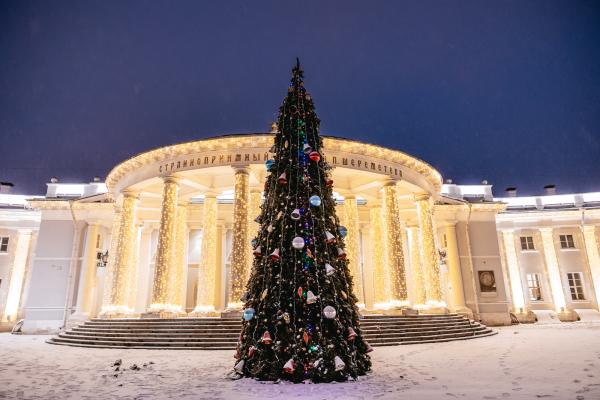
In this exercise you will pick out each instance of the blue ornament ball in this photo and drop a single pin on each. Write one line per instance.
(269, 164)
(315, 201)
(254, 242)
(248, 314)
(343, 231)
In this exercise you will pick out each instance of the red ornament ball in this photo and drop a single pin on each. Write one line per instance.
(314, 156)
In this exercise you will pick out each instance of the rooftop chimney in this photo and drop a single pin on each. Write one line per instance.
(96, 179)
(54, 180)
(484, 182)
(449, 181)
(511, 192)
(6, 187)
(550, 190)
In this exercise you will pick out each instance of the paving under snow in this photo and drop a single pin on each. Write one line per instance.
(558, 361)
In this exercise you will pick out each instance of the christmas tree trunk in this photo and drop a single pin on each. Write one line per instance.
(300, 317)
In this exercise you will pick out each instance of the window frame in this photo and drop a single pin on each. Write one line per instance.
(527, 243)
(4, 243)
(577, 291)
(537, 279)
(568, 243)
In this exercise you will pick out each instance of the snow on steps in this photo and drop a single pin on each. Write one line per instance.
(223, 333)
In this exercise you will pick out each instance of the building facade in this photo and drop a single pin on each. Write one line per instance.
(168, 234)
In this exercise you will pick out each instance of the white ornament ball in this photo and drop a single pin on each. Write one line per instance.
(329, 312)
(298, 243)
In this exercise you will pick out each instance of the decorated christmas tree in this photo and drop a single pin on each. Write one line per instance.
(300, 319)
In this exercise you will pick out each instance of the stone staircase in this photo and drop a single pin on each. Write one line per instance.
(223, 333)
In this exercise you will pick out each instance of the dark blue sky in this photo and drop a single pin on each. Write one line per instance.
(506, 91)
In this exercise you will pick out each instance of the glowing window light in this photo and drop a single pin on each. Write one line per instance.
(351, 241)
(205, 296)
(416, 266)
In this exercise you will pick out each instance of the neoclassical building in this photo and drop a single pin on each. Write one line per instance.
(168, 234)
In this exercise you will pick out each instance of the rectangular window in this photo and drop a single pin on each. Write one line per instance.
(4, 244)
(576, 285)
(527, 243)
(535, 290)
(567, 242)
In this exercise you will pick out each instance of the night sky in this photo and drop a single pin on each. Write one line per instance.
(504, 91)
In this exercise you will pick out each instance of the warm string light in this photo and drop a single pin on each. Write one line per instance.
(253, 226)
(239, 262)
(552, 268)
(380, 281)
(177, 283)
(393, 246)
(205, 296)
(123, 257)
(165, 249)
(110, 267)
(351, 241)
(17, 275)
(416, 267)
(514, 275)
(591, 246)
(133, 269)
(429, 254)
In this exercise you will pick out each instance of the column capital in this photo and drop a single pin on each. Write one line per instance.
(241, 169)
(172, 178)
(421, 197)
(389, 181)
(546, 229)
(129, 193)
(588, 228)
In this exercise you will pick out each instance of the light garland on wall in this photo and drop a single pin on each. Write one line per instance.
(393, 247)
(429, 253)
(177, 284)
(380, 282)
(253, 226)
(239, 253)
(165, 249)
(351, 241)
(110, 267)
(591, 246)
(552, 268)
(416, 267)
(17, 276)
(133, 269)
(123, 256)
(514, 274)
(205, 297)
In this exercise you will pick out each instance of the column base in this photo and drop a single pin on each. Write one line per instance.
(568, 316)
(204, 314)
(77, 318)
(436, 311)
(401, 311)
(161, 315)
(528, 317)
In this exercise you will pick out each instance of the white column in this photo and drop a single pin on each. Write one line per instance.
(558, 294)
(207, 270)
(429, 253)
(351, 242)
(591, 247)
(87, 280)
(393, 249)
(514, 274)
(17, 274)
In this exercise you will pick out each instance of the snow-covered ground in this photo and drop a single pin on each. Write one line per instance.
(559, 361)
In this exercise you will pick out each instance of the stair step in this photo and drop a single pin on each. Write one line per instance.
(223, 333)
